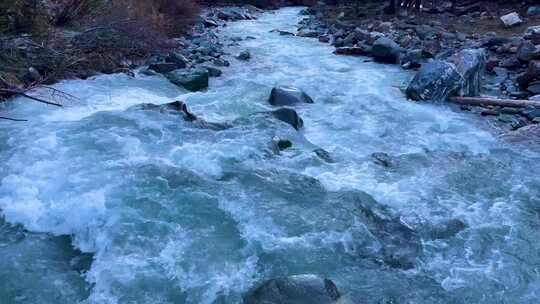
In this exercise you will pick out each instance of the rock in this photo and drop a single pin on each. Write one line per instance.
(31, 75)
(382, 159)
(412, 59)
(324, 155)
(221, 62)
(447, 229)
(288, 96)
(510, 63)
(399, 245)
(296, 289)
(352, 51)
(495, 41)
(191, 79)
(510, 111)
(281, 144)
(470, 65)
(489, 113)
(324, 39)
(531, 74)
(212, 71)
(430, 48)
(282, 33)
(533, 11)
(511, 19)
(289, 116)
(178, 59)
(526, 51)
(518, 123)
(163, 67)
(535, 97)
(533, 33)
(386, 50)
(308, 34)
(534, 88)
(531, 114)
(435, 81)
(244, 56)
(210, 22)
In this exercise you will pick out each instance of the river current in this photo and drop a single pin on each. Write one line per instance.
(104, 203)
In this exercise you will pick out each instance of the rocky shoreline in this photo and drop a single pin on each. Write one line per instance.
(492, 59)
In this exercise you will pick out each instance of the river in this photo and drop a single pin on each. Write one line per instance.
(103, 203)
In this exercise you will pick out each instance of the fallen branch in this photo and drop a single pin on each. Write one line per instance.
(16, 93)
(483, 101)
(12, 119)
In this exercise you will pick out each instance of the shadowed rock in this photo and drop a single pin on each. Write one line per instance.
(288, 96)
(289, 116)
(296, 289)
(191, 79)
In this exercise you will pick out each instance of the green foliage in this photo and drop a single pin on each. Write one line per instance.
(23, 16)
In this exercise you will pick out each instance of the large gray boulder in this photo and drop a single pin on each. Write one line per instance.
(435, 81)
(385, 50)
(470, 65)
(191, 79)
(288, 96)
(296, 289)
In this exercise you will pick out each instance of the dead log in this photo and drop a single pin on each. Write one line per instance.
(484, 101)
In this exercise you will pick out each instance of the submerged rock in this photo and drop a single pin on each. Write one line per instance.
(296, 289)
(435, 81)
(400, 245)
(289, 116)
(244, 56)
(180, 107)
(191, 79)
(288, 96)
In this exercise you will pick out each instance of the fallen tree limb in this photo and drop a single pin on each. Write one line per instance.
(19, 93)
(484, 101)
(12, 119)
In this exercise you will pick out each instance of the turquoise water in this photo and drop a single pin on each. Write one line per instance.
(103, 203)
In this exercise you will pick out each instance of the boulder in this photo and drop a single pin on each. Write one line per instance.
(470, 65)
(531, 74)
(178, 59)
(296, 289)
(511, 19)
(435, 81)
(244, 56)
(191, 79)
(533, 33)
(288, 96)
(163, 67)
(412, 59)
(526, 51)
(385, 50)
(289, 116)
(212, 71)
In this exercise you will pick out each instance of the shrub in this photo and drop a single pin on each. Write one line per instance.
(65, 12)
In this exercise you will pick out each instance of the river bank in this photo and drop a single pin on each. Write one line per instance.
(504, 64)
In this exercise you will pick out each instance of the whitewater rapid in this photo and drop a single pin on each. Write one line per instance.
(103, 203)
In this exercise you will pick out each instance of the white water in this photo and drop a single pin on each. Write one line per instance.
(178, 214)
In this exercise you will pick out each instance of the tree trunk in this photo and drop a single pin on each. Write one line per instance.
(481, 101)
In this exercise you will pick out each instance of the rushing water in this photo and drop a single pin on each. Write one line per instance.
(106, 204)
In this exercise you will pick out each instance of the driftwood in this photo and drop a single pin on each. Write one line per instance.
(484, 101)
